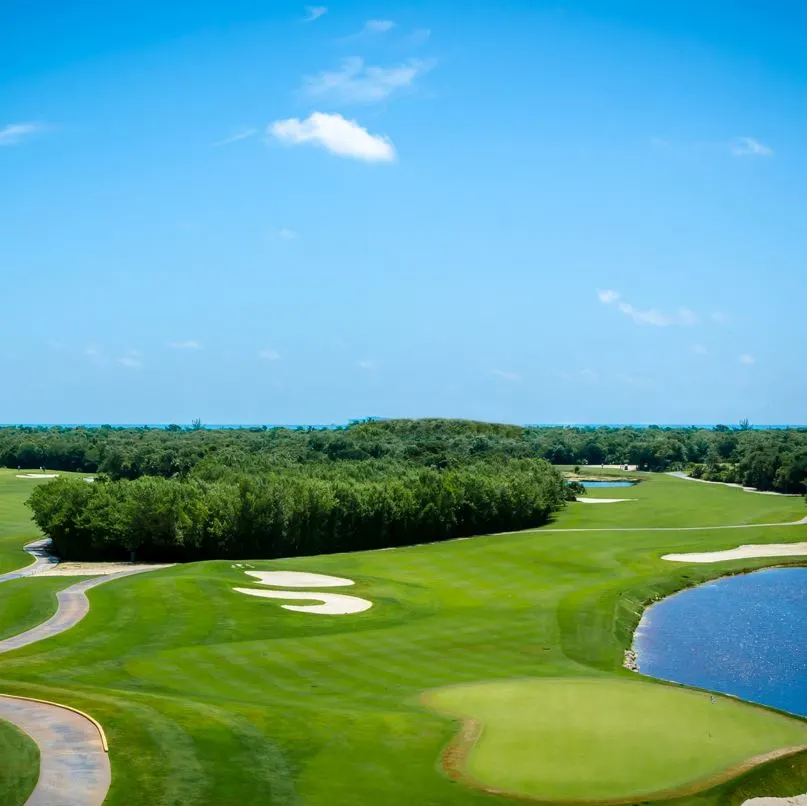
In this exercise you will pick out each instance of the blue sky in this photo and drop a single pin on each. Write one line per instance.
(516, 211)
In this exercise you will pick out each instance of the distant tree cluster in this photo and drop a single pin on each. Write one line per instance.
(767, 459)
(296, 512)
(192, 493)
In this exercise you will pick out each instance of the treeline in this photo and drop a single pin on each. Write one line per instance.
(769, 460)
(276, 514)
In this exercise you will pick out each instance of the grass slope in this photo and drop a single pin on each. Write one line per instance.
(24, 603)
(19, 765)
(562, 739)
(16, 527)
(210, 697)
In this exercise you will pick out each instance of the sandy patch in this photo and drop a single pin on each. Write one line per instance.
(584, 500)
(333, 604)
(37, 475)
(796, 800)
(740, 553)
(299, 579)
(94, 569)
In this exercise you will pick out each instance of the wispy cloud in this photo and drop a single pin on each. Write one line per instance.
(269, 355)
(14, 133)
(239, 134)
(647, 316)
(747, 359)
(92, 352)
(188, 344)
(749, 147)
(345, 138)
(633, 380)
(721, 318)
(131, 360)
(313, 13)
(506, 376)
(357, 83)
(366, 365)
(378, 26)
(698, 349)
(286, 234)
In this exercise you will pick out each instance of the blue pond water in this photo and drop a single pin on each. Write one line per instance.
(742, 635)
(588, 484)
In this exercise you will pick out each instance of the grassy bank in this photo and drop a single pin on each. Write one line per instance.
(19, 765)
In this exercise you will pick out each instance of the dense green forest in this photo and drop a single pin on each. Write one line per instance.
(195, 493)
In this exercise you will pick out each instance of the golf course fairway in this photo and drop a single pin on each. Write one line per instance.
(210, 697)
(569, 739)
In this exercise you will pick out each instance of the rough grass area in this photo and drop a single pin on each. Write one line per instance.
(211, 697)
(569, 739)
(19, 765)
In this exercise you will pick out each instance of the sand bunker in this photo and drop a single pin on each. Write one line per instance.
(796, 800)
(37, 475)
(299, 579)
(741, 553)
(94, 569)
(333, 604)
(585, 500)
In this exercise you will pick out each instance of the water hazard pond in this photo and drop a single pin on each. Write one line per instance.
(592, 484)
(743, 635)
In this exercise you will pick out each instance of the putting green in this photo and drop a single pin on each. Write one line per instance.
(600, 739)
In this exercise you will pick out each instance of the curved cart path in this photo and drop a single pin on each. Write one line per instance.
(73, 765)
(73, 605)
(42, 559)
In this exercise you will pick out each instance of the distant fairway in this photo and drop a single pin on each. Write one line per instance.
(588, 739)
(212, 697)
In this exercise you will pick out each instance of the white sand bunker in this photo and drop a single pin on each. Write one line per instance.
(796, 800)
(740, 553)
(37, 475)
(299, 579)
(584, 500)
(333, 604)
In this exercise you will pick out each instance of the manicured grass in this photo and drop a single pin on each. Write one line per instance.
(209, 696)
(26, 602)
(16, 526)
(668, 501)
(19, 765)
(561, 739)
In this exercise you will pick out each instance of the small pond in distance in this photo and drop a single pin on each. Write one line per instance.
(615, 483)
(743, 635)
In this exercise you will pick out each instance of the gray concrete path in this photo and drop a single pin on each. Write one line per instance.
(681, 475)
(73, 605)
(73, 766)
(39, 550)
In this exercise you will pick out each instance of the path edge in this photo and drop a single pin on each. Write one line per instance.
(86, 716)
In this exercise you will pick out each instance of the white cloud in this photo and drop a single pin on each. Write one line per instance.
(269, 355)
(699, 349)
(315, 12)
(189, 344)
(749, 147)
(378, 26)
(747, 359)
(368, 365)
(286, 234)
(92, 352)
(239, 134)
(632, 380)
(15, 133)
(607, 296)
(647, 316)
(357, 83)
(506, 376)
(345, 138)
(131, 360)
(585, 375)
(721, 318)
